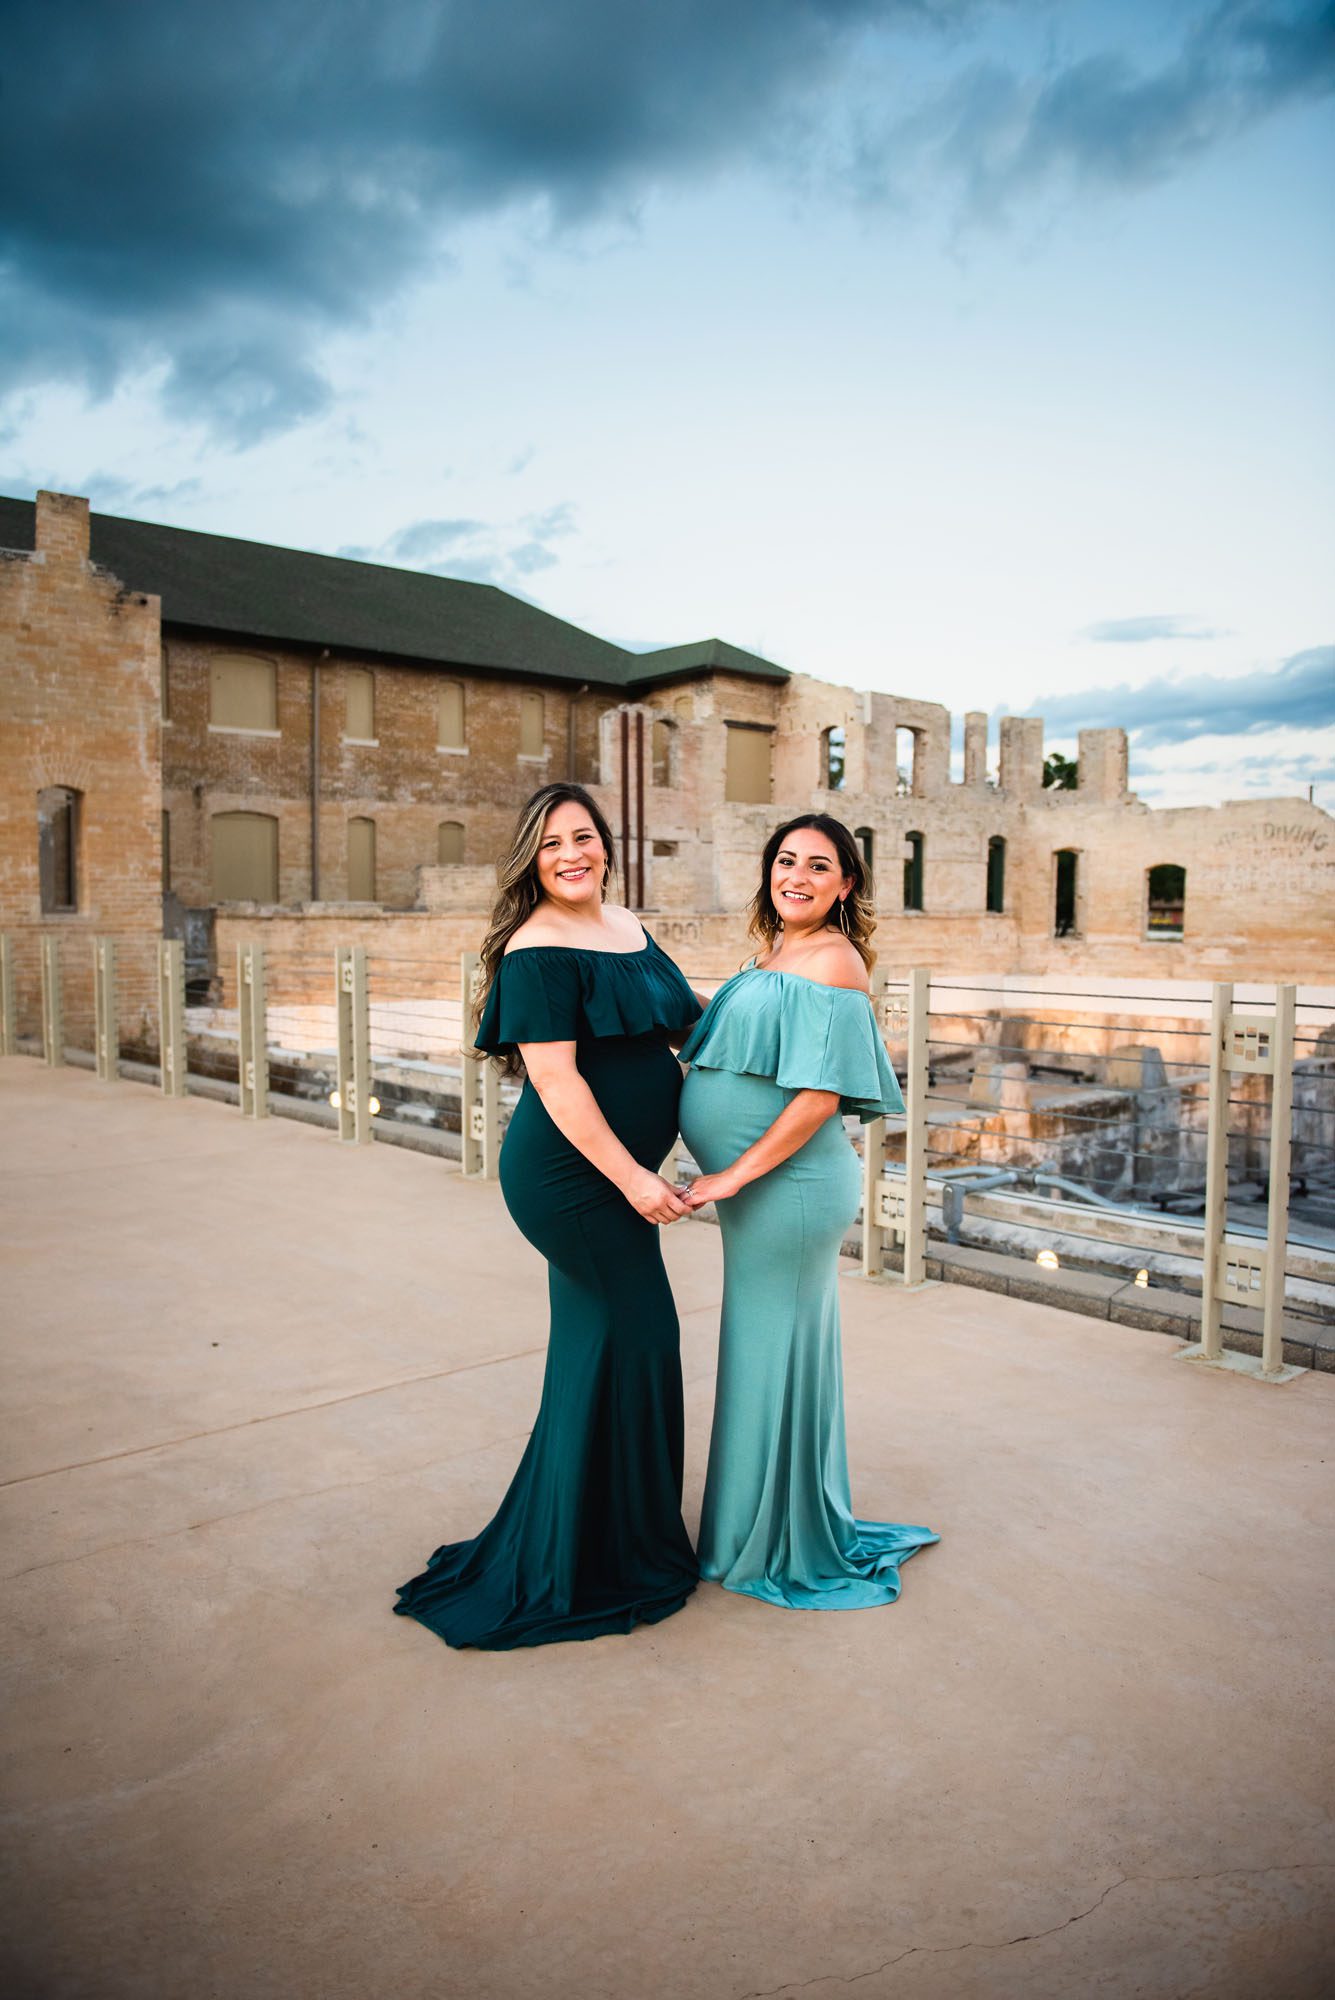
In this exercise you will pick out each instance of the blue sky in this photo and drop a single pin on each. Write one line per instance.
(975, 351)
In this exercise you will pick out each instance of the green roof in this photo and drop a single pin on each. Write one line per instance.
(707, 656)
(254, 590)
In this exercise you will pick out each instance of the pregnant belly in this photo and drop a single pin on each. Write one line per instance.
(722, 1114)
(636, 1085)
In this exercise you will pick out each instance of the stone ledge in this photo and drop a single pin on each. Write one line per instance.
(1154, 1308)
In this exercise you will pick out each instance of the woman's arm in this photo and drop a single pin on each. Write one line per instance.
(790, 1131)
(573, 1109)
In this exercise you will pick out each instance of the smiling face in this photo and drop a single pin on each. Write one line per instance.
(571, 858)
(805, 881)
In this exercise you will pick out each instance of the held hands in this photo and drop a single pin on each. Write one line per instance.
(713, 1187)
(651, 1196)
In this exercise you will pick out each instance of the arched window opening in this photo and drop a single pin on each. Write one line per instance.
(1166, 900)
(245, 858)
(664, 748)
(1066, 893)
(361, 860)
(913, 861)
(866, 841)
(450, 717)
(906, 762)
(833, 746)
(449, 843)
(359, 718)
(532, 724)
(996, 875)
(58, 849)
(243, 693)
(748, 775)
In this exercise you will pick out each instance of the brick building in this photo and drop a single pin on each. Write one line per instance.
(252, 729)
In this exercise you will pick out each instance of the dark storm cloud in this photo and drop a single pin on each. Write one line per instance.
(1300, 694)
(1136, 631)
(210, 189)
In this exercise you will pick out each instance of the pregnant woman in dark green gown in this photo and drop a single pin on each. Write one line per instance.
(589, 1539)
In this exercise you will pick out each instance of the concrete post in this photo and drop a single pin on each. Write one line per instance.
(8, 1018)
(479, 1093)
(1277, 1219)
(53, 1018)
(171, 1016)
(253, 1061)
(915, 1136)
(873, 1167)
(107, 1047)
(1216, 1175)
(354, 1044)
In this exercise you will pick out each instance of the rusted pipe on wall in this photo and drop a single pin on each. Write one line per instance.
(639, 809)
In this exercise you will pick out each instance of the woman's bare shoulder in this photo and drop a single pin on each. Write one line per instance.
(624, 925)
(532, 931)
(837, 963)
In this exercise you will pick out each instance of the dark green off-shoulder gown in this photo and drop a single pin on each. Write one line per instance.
(589, 1539)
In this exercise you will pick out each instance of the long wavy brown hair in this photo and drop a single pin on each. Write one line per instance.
(519, 892)
(859, 905)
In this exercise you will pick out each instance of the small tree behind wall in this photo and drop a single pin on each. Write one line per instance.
(1060, 773)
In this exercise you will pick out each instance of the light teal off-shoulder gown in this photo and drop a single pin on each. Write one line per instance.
(778, 1520)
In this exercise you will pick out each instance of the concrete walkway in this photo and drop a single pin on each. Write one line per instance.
(252, 1378)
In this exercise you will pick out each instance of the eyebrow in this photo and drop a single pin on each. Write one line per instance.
(556, 836)
(828, 859)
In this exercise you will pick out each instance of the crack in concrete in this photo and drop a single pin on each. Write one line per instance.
(259, 1506)
(1026, 1937)
(271, 1417)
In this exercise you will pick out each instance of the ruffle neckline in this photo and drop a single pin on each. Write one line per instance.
(570, 993)
(802, 1035)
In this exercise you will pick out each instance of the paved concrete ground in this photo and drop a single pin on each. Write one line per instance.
(254, 1377)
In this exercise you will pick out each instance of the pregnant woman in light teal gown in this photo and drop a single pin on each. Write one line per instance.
(589, 1538)
(782, 1050)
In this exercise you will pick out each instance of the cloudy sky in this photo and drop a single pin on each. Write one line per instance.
(974, 349)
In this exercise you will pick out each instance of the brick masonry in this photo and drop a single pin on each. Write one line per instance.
(88, 667)
(78, 708)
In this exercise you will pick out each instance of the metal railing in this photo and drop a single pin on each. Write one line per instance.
(1056, 1118)
(1175, 1139)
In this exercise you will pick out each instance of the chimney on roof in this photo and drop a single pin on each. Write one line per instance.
(62, 527)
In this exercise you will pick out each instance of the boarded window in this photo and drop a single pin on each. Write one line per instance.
(166, 852)
(245, 858)
(243, 692)
(747, 778)
(913, 871)
(449, 843)
(58, 848)
(532, 724)
(662, 740)
(1066, 893)
(360, 719)
(996, 875)
(685, 706)
(833, 746)
(1166, 905)
(450, 717)
(361, 860)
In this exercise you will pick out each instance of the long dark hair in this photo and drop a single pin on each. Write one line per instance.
(859, 905)
(518, 888)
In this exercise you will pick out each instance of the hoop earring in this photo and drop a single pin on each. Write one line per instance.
(843, 916)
